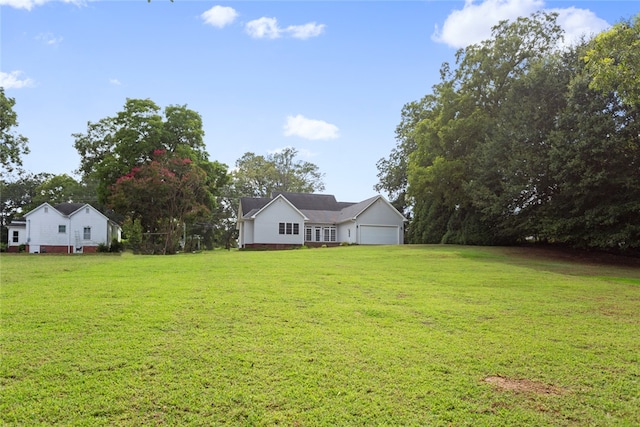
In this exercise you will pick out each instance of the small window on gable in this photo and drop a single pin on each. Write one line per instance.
(86, 210)
(46, 209)
(62, 229)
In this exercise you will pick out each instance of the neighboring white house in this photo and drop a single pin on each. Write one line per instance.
(296, 219)
(63, 228)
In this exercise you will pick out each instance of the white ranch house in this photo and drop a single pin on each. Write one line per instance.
(63, 228)
(296, 219)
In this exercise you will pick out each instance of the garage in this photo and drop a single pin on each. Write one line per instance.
(379, 234)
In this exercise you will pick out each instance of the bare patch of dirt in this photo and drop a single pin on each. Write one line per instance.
(523, 385)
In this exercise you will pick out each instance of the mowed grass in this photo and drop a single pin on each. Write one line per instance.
(412, 335)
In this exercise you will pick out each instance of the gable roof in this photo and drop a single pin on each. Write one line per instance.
(68, 208)
(316, 208)
(256, 205)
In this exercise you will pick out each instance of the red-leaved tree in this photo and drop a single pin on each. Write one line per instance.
(162, 195)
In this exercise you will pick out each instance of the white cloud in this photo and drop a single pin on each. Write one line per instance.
(472, 24)
(30, 4)
(268, 28)
(219, 16)
(13, 80)
(305, 31)
(578, 23)
(48, 38)
(263, 28)
(115, 82)
(309, 128)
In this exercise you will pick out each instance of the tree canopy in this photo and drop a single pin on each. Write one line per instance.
(517, 142)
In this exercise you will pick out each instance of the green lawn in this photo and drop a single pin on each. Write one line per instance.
(413, 335)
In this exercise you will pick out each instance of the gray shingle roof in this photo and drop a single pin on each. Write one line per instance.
(68, 208)
(318, 208)
(251, 205)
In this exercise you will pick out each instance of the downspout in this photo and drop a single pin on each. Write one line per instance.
(69, 237)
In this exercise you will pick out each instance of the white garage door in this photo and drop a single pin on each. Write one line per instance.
(378, 235)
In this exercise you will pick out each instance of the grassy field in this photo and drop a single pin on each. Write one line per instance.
(413, 335)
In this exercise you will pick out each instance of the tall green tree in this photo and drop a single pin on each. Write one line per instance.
(12, 145)
(448, 183)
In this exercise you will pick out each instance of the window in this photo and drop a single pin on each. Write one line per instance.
(62, 229)
(86, 210)
(329, 234)
(86, 233)
(318, 230)
(308, 234)
(288, 228)
(46, 209)
(15, 236)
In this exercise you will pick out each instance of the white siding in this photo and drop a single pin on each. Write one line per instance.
(22, 235)
(247, 232)
(93, 219)
(266, 224)
(43, 227)
(347, 232)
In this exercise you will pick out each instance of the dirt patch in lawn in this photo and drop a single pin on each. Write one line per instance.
(523, 385)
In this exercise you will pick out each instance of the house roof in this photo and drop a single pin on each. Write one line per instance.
(318, 208)
(68, 208)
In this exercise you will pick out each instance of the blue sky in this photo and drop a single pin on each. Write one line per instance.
(328, 78)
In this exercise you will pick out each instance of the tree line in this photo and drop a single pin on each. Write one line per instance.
(525, 140)
(149, 170)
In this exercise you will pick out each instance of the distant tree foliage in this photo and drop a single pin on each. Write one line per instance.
(260, 176)
(520, 142)
(16, 197)
(12, 145)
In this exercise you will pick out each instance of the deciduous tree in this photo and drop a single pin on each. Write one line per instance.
(12, 145)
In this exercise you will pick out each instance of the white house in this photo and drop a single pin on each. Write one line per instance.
(296, 219)
(63, 228)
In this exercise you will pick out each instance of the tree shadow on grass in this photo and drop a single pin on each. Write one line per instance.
(571, 261)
